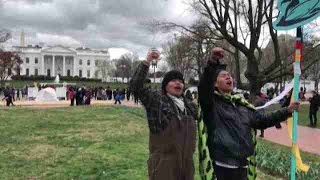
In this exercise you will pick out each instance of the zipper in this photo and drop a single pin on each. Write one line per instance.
(239, 124)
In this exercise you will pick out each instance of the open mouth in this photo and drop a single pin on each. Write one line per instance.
(229, 83)
(177, 88)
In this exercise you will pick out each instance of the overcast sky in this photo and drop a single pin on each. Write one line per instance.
(91, 23)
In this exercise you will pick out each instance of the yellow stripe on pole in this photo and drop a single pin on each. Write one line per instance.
(290, 124)
(298, 55)
(300, 165)
(295, 148)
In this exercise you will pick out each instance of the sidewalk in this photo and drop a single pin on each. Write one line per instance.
(308, 138)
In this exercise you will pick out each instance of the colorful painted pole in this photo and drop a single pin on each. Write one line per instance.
(297, 73)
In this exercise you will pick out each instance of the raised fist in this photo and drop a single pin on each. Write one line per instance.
(153, 54)
(216, 54)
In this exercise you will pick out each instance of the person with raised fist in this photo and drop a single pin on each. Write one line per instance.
(171, 119)
(230, 119)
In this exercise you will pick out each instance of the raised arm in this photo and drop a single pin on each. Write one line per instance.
(138, 79)
(261, 120)
(205, 88)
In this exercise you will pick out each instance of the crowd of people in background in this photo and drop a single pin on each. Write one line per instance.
(12, 94)
(83, 96)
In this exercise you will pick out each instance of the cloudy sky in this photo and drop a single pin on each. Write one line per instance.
(113, 24)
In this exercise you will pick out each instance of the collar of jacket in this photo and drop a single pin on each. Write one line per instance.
(235, 99)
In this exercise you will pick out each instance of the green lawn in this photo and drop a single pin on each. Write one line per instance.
(75, 143)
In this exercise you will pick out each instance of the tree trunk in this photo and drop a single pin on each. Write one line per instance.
(238, 72)
(276, 88)
(236, 56)
(316, 83)
(252, 75)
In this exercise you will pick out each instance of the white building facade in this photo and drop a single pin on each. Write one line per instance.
(60, 60)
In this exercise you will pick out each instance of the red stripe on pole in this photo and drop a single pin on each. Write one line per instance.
(298, 44)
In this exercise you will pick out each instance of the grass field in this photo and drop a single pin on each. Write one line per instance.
(75, 143)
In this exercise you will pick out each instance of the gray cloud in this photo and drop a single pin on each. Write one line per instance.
(94, 23)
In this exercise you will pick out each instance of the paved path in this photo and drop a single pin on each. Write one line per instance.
(308, 138)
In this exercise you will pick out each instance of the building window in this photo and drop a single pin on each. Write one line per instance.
(88, 62)
(80, 73)
(27, 60)
(88, 74)
(68, 73)
(27, 72)
(48, 72)
(36, 72)
(36, 60)
(80, 62)
(96, 62)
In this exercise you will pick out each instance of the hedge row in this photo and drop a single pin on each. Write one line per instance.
(277, 162)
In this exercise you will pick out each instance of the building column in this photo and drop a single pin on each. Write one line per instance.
(74, 66)
(42, 65)
(64, 66)
(53, 65)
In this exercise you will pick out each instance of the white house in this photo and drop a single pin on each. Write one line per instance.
(60, 60)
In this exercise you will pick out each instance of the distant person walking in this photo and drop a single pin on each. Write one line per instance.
(260, 101)
(8, 96)
(117, 96)
(71, 96)
(88, 97)
(78, 97)
(18, 94)
(314, 104)
(136, 99)
(128, 94)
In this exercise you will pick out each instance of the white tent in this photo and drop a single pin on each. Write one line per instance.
(47, 94)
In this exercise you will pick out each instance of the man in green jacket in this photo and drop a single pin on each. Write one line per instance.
(229, 120)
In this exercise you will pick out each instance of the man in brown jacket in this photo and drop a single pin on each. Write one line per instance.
(171, 120)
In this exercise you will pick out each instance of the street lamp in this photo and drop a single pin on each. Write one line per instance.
(154, 65)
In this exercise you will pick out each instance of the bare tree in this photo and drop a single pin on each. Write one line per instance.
(163, 68)
(197, 39)
(9, 62)
(104, 69)
(314, 71)
(178, 55)
(244, 26)
(124, 65)
(234, 20)
(4, 35)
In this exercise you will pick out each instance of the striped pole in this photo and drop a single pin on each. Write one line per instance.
(297, 73)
